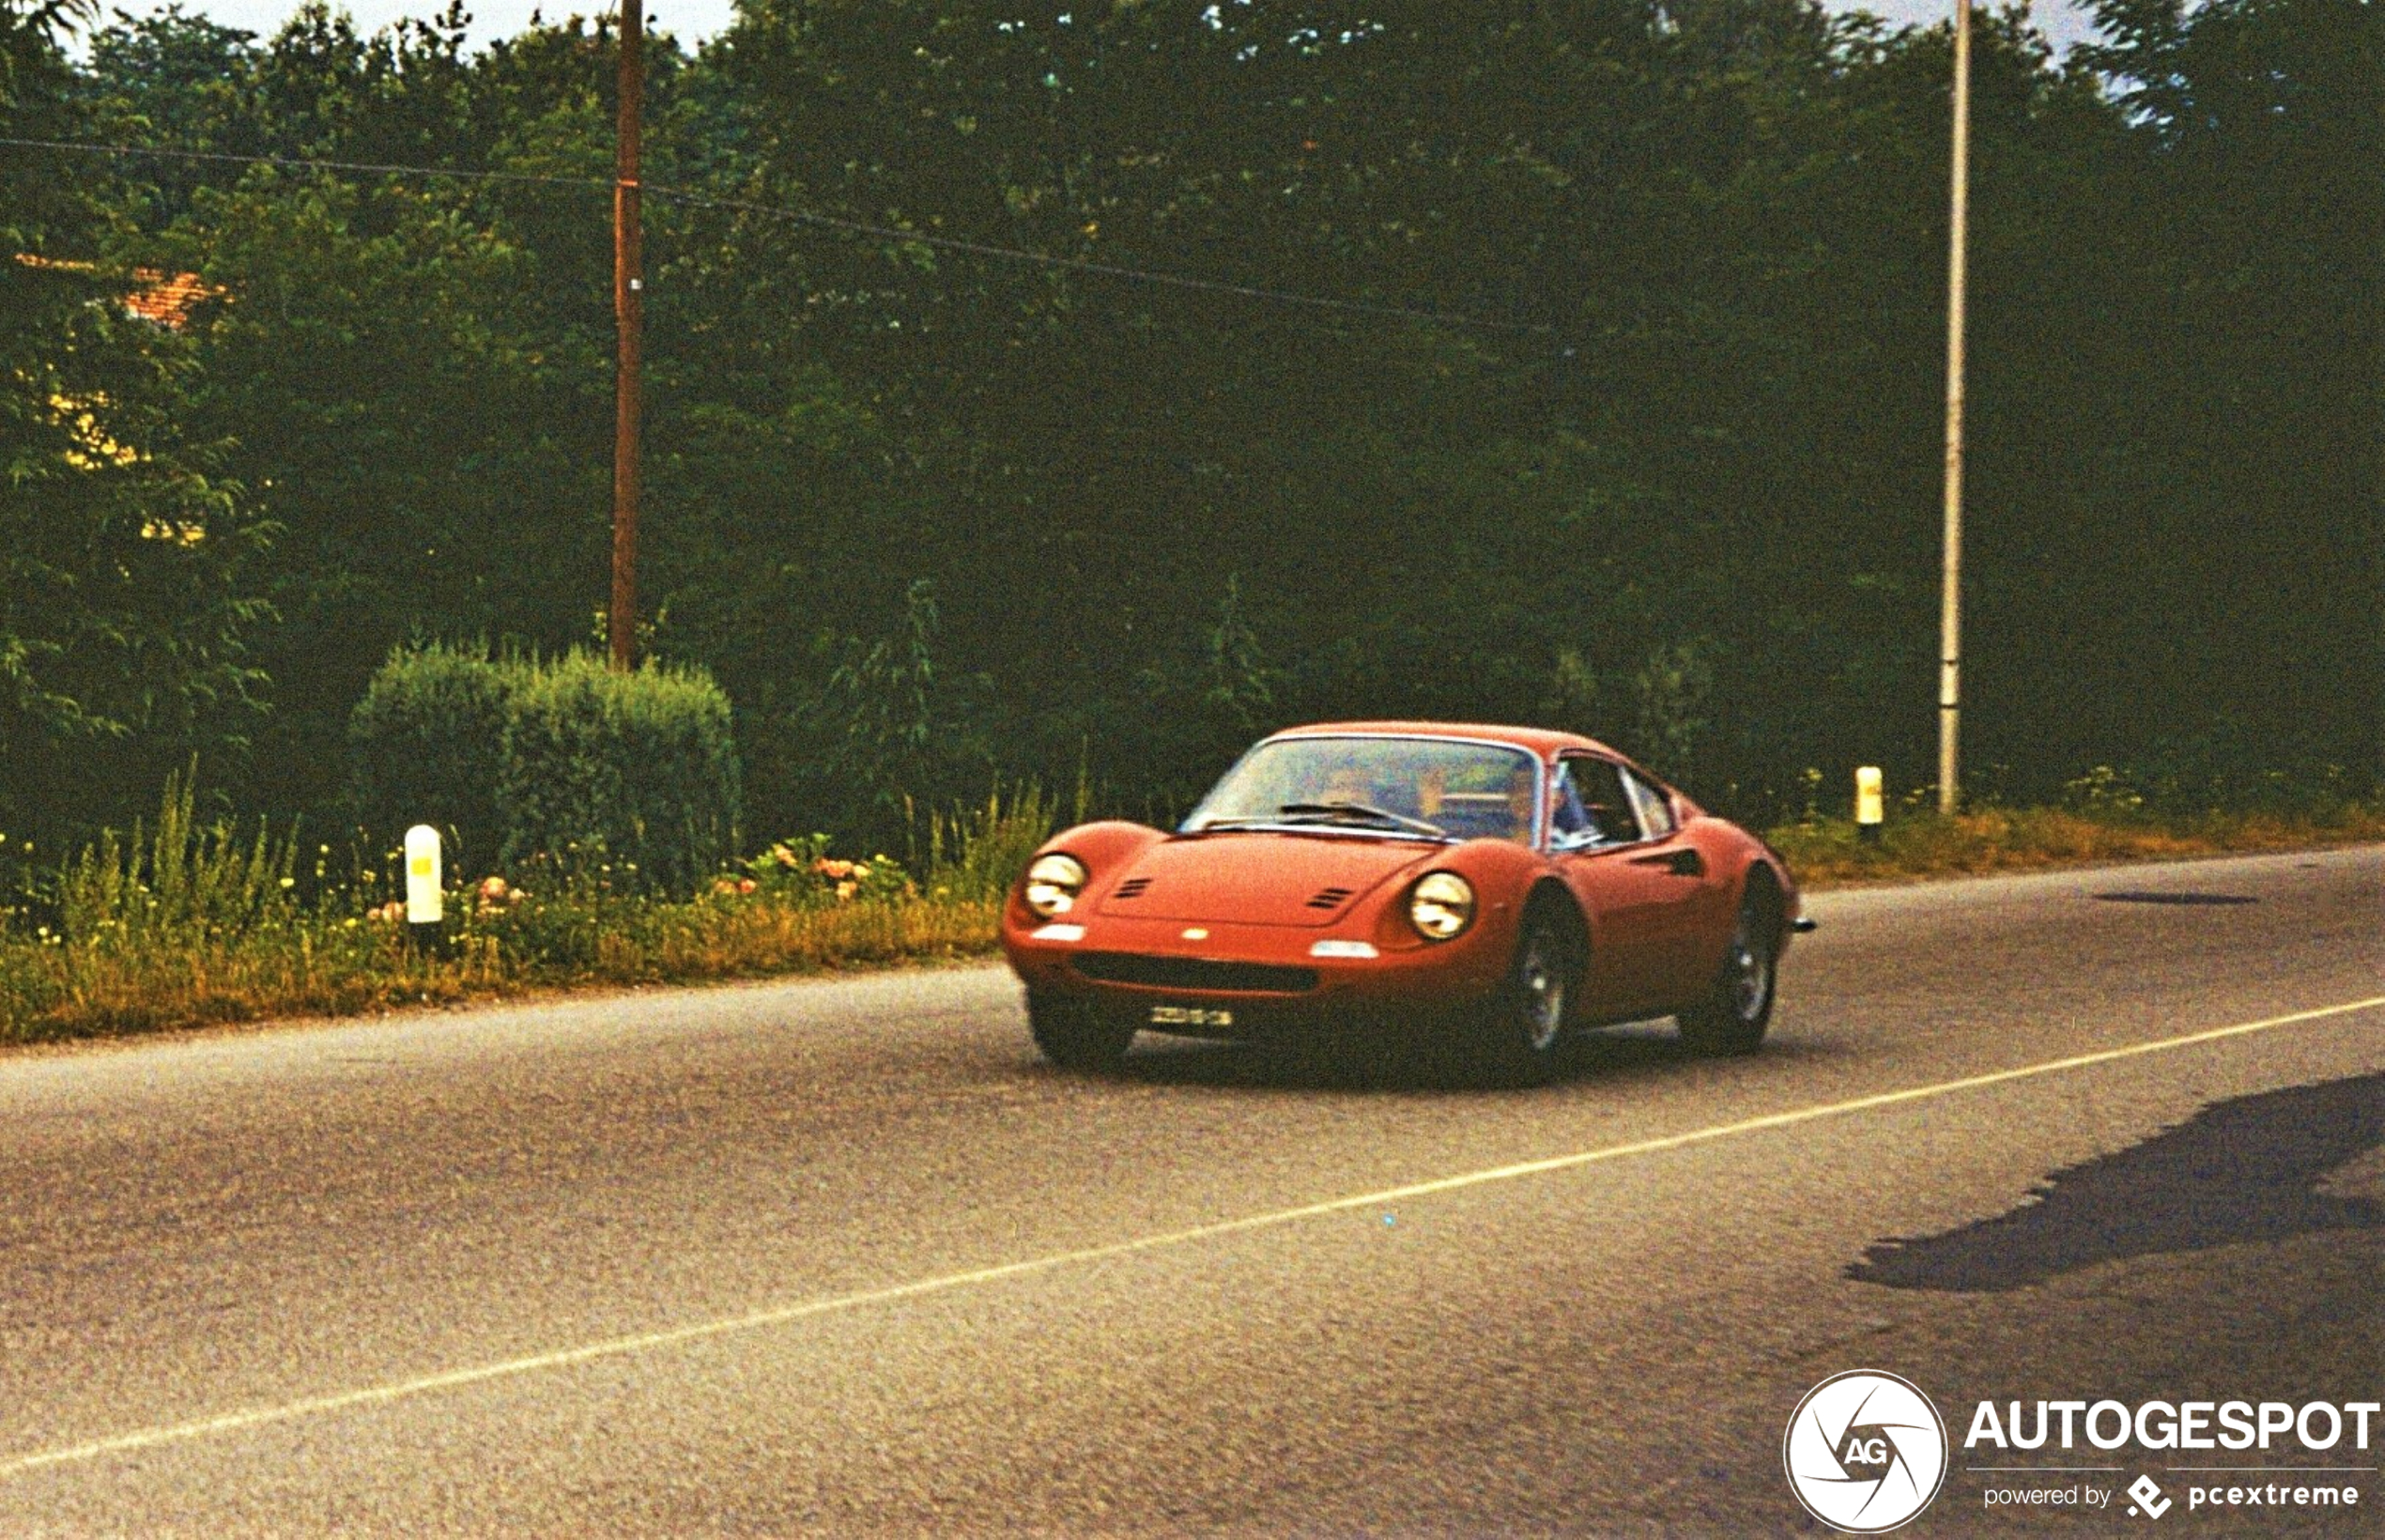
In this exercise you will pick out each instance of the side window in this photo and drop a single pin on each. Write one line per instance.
(1568, 819)
(1654, 807)
(1605, 805)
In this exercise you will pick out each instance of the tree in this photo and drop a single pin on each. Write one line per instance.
(128, 602)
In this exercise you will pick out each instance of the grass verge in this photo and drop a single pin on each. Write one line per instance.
(1829, 852)
(189, 926)
(315, 965)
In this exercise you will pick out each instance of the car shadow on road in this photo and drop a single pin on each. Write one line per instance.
(1611, 1053)
(2250, 1168)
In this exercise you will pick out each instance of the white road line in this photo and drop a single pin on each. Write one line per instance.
(233, 1422)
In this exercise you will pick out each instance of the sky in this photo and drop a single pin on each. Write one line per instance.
(691, 20)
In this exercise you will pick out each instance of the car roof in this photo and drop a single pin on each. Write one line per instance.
(1543, 741)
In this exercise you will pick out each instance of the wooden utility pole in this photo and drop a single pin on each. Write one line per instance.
(1950, 611)
(620, 625)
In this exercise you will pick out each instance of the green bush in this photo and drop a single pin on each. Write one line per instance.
(427, 747)
(551, 765)
(632, 776)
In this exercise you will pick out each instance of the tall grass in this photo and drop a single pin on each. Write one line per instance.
(183, 923)
(181, 886)
(975, 854)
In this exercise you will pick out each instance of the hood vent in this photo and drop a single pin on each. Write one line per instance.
(1330, 898)
(1132, 888)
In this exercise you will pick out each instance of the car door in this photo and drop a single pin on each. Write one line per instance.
(1639, 884)
(1697, 913)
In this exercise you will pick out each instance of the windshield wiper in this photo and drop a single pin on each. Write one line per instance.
(1343, 811)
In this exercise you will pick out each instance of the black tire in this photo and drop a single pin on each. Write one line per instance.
(1529, 1021)
(1737, 1007)
(1074, 1035)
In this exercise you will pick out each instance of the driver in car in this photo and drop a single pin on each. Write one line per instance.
(1570, 816)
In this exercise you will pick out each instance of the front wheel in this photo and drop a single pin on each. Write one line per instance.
(1521, 1046)
(1074, 1035)
(1738, 1007)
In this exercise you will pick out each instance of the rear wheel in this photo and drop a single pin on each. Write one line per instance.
(1074, 1035)
(1521, 1047)
(1738, 1005)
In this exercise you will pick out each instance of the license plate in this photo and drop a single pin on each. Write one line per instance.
(1189, 1016)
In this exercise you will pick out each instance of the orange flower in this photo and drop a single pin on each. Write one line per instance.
(846, 890)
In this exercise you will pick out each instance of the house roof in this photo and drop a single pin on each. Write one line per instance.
(157, 296)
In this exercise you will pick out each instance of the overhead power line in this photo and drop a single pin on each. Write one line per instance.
(1109, 269)
(890, 234)
(304, 162)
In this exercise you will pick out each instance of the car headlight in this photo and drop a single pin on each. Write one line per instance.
(1441, 905)
(1053, 885)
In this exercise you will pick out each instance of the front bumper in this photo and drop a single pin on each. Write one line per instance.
(1238, 980)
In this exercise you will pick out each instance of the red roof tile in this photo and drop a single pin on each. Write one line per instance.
(165, 298)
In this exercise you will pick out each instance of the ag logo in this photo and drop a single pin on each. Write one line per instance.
(1865, 1451)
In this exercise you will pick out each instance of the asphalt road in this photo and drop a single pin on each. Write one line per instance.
(844, 1256)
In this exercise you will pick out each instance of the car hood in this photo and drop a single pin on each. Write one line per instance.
(1260, 878)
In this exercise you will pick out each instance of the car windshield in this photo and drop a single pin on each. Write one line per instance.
(1418, 787)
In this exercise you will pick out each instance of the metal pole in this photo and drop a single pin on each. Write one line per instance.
(620, 625)
(1950, 618)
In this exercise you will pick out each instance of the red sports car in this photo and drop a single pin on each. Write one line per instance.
(1498, 884)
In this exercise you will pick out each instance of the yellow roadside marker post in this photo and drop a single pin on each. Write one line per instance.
(425, 898)
(1868, 802)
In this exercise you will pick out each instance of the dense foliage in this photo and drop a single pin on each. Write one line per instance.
(934, 517)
